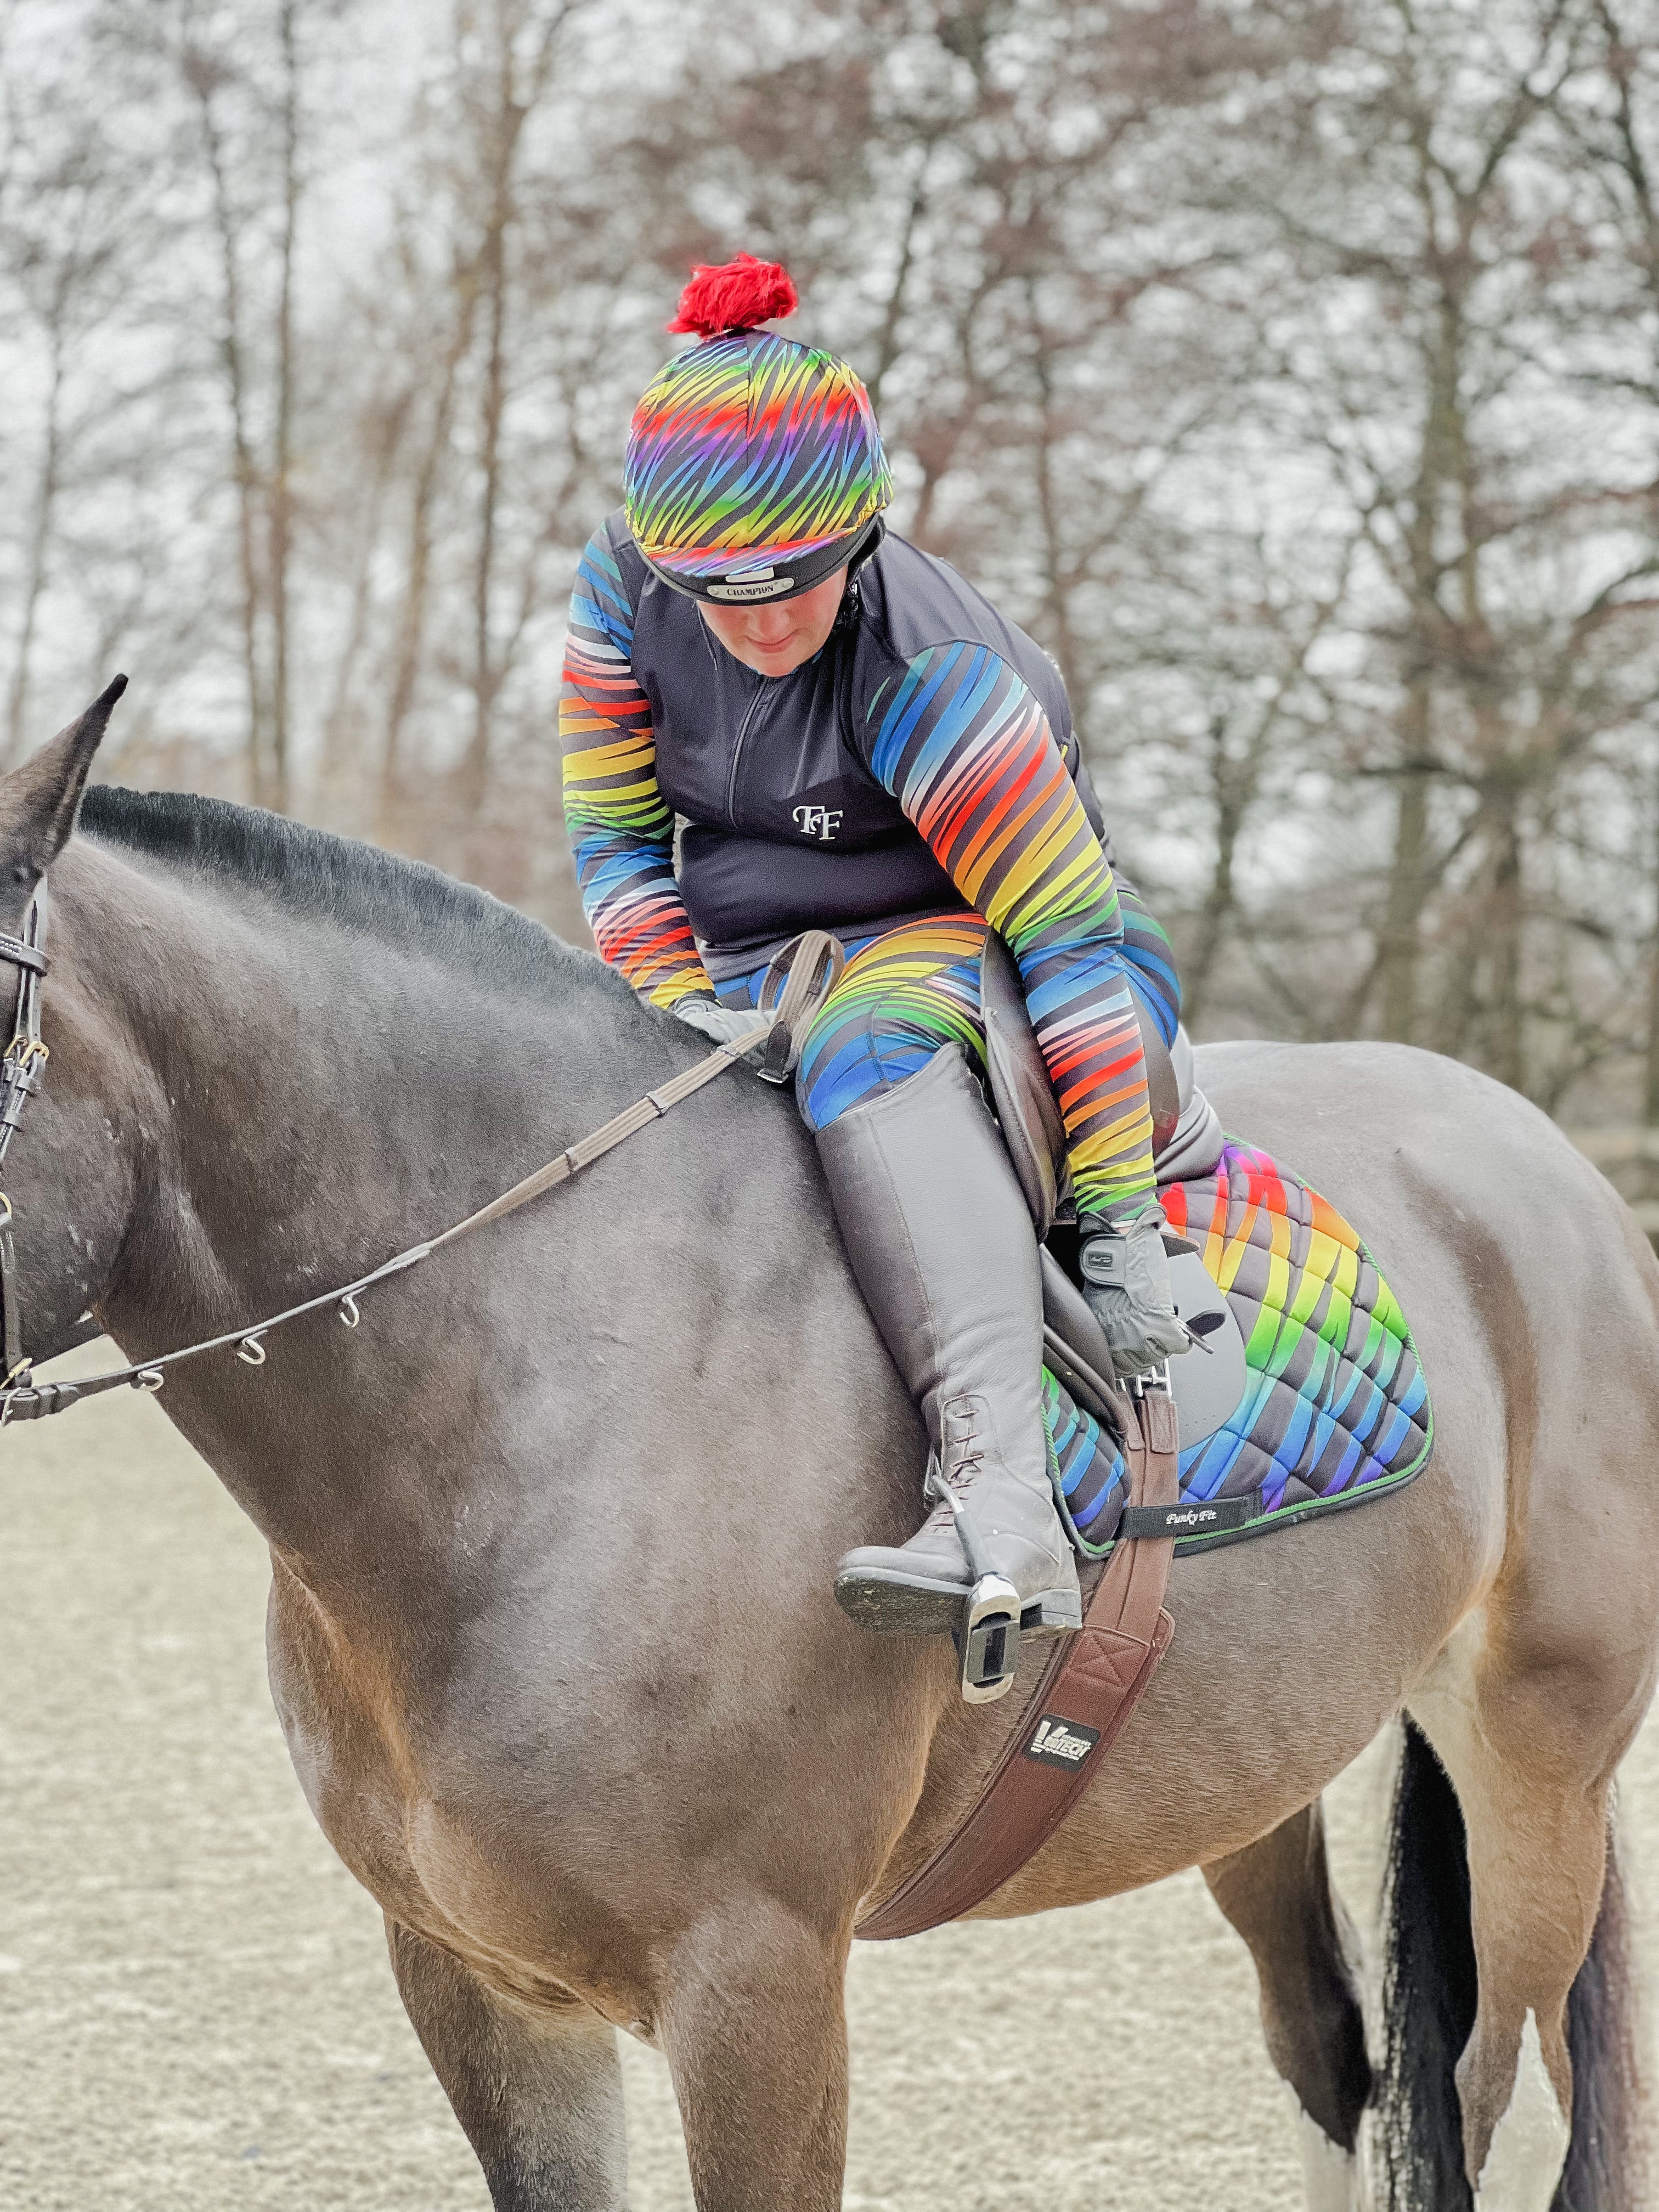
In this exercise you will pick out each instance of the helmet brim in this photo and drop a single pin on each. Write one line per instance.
(754, 577)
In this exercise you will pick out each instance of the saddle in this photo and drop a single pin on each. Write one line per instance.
(1187, 1137)
(1187, 1142)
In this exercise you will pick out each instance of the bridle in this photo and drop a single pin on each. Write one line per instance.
(20, 1070)
(800, 980)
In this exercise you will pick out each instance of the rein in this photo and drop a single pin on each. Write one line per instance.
(800, 979)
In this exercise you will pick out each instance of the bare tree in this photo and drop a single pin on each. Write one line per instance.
(281, 521)
(64, 209)
(1287, 371)
(206, 77)
(1620, 138)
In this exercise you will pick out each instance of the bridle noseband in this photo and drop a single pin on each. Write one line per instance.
(800, 979)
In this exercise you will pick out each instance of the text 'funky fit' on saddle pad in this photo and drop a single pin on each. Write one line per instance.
(1331, 1407)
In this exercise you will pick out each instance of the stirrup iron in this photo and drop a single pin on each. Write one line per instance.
(988, 1643)
(987, 1639)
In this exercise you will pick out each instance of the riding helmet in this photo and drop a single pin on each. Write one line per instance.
(754, 465)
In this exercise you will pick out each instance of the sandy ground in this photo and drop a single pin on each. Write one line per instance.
(196, 2010)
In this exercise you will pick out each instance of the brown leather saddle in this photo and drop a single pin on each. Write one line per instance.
(1187, 1142)
(1024, 1099)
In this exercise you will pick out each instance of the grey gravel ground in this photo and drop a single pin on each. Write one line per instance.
(196, 2011)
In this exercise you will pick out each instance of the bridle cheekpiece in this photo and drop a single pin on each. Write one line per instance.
(21, 1067)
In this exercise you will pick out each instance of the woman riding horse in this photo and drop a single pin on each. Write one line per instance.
(856, 740)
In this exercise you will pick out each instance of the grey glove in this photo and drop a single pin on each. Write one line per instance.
(725, 1024)
(1126, 1279)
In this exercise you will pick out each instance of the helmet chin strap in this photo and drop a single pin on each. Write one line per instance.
(870, 544)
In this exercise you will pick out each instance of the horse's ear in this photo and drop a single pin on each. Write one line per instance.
(39, 801)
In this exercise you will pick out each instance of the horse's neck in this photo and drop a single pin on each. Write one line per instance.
(317, 1099)
(296, 1105)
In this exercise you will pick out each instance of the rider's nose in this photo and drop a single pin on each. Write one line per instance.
(769, 625)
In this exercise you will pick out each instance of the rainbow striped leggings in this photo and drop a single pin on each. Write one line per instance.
(906, 993)
(909, 990)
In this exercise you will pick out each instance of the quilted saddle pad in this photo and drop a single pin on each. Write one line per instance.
(1332, 1407)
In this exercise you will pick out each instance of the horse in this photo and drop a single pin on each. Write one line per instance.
(553, 1534)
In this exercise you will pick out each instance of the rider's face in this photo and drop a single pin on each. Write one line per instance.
(778, 635)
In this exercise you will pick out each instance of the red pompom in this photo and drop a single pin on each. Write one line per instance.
(739, 296)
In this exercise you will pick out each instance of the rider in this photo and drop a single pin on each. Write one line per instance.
(854, 739)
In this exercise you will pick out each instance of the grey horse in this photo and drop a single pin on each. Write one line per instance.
(553, 1535)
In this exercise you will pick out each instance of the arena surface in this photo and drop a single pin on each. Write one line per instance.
(196, 2010)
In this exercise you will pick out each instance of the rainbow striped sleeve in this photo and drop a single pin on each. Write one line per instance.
(964, 747)
(622, 829)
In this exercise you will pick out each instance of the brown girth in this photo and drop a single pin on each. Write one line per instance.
(1093, 1680)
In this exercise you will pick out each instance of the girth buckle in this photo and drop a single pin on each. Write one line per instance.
(1154, 1382)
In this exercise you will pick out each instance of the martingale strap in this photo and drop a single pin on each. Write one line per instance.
(814, 964)
(1091, 1684)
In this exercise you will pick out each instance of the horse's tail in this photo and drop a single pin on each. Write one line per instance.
(1429, 1992)
(1606, 2156)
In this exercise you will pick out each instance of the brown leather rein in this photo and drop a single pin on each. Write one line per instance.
(800, 979)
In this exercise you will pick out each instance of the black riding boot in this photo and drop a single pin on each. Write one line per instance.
(942, 1244)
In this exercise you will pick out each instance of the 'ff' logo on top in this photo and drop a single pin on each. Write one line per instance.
(819, 822)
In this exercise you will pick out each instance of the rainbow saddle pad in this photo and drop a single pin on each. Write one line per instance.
(1310, 1395)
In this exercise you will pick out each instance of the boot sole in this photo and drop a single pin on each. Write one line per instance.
(900, 1605)
(891, 1605)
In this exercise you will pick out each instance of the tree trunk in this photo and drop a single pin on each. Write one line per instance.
(1505, 919)
(245, 472)
(492, 261)
(1197, 970)
(887, 346)
(34, 574)
(1408, 887)
(281, 521)
(411, 627)
(382, 445)
(1056, 590)
(516, 98)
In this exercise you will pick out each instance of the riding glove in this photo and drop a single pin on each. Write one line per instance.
(1126, 1279)
(725, 1024)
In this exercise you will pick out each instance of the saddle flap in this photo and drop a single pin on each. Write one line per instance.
(1208, 1385)
(1023, 1095)
(1020, 1089)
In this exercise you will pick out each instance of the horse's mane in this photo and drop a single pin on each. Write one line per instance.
(356, 886)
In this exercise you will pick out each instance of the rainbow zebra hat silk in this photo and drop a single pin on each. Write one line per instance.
(754, 466)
